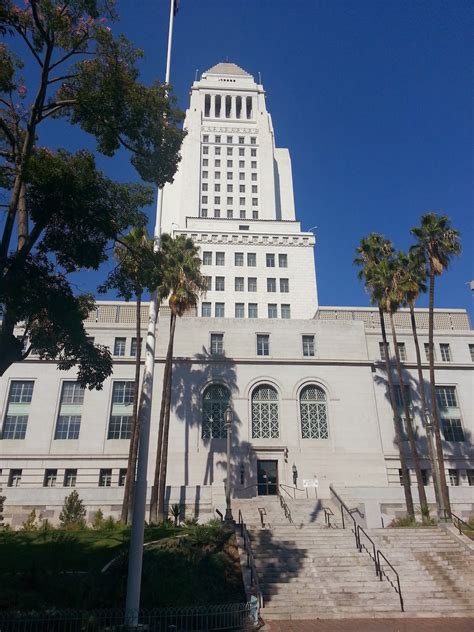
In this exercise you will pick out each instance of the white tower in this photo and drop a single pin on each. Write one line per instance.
(233, 194)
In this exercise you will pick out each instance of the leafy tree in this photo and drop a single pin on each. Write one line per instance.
(437, 243)
(30, 524)
(98, 522)
(73, 513)
(182, 283)
(371, 251)
(139, 268)
(2, 505)
(64, 209)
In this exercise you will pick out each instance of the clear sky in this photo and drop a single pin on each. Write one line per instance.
(372, 98)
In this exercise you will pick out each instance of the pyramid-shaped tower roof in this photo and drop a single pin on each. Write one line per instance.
(227, 68)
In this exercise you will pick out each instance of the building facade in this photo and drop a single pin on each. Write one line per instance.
(306, 383)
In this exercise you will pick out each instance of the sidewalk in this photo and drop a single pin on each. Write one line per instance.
(373, 625)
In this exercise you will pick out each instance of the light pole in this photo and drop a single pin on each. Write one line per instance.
(135, 559)
(228, 418)
(436, 473)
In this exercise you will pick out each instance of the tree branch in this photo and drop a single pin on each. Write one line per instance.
(36, 18)
(61, 78)
(54, 107)
(71, 52)
(8, 133)
(30, 45)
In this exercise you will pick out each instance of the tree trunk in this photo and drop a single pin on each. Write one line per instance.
(22, 218)
(434, 403)
(421, 389)
(408, 421)
(159, 449)
(135, 434)
(397, 424)
(166, 425)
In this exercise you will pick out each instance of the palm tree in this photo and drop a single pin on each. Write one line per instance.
(138, 269)
(371, 251)
(183, 284)
(437, 243)
(387, 280)
(414, 284)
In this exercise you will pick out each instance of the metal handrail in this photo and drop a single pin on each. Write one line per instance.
(397, 588)
(327, 515)
(372, 555)
(263, 512)
(220, 514)
(456, 519)
(250, 560)
(285, 508)
(286, 492)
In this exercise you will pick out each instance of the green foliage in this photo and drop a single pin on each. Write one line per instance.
(98, 522)
(73, 512)
(66, 211)
(407, 521)
(176, 513)
(437, 242)
(2, 503)
(192, 521)
(30, 524)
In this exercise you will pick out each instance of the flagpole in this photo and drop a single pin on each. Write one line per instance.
(132, 603)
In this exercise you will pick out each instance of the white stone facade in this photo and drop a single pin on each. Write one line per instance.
(306, 384)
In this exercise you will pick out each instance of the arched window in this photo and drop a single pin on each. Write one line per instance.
(314, 413)
(265, 413)
(214, 402)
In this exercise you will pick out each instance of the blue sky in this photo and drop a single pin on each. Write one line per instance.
(371, 97)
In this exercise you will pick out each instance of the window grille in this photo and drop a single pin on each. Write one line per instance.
(265, 413)
(314, 414)
(215, 401)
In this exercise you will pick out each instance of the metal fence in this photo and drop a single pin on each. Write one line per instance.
(240, 616)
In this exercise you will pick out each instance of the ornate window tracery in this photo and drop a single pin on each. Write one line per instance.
(214, 403)
(265, 413)
(314, 413)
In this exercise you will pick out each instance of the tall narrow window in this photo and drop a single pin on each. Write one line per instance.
(18, 410)
(239, 310)
(207, 258)
(68, 424)
(470, 477)
(252, 284)
(239, 259)
(248, 103)
(253, 310)
(271, 285)
(217, 105)
(238, 108)
(220, 284)
(450, 413)
(285, 311)
(400, 408)
(208, 280)
(239, 284)
(270, 259)
(133, 346)
(105, 477)
(454, 478)
(427, 352)
(14, 478)
(308, 346)
(314, 413)
(284, 285)
(263, 344)
(50, 477)
(70, 477)
(220, 258)
(119, 347)
(206, 310)
(402, 351)
(445, 352)
(382, 350)
(251, 259)
(217, 344)
(272, 310)
(471, 352)
(215, 402)
(219, 310)
(120, 424)
(207, 105)
(122, 476)
(265, 413)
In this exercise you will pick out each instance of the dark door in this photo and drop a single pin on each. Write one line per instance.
(267, 477)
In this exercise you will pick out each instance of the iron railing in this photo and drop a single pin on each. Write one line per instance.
(458, 522)
(250, 561)
(328, 512)
(240, 616)
(285, 508)
(368, 545)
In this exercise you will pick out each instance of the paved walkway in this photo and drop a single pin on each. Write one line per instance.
(372, 625)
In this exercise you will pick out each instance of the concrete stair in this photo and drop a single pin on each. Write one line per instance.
(308, 571)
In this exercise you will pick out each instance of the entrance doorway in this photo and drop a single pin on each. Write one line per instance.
(267, 478)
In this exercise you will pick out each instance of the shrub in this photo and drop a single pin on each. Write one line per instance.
(2, 501)
(73, 512)
(30, 524)
(98, 522)
(402, 521)
(176, 513)
(192, 521)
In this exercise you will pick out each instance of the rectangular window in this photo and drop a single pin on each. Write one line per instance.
(205, 138)
(220, 283)
(400, 408)
(204, 212)
(242, 188)
(220, 258)
(284, 285)
(50, 477)
(217, 163)
(271, 285)
(252, 284)
(217, 344)
(205, 174)
(471, 351)
(217, 212)
(206, 310)
(470, 477)
(253, 140)
(219, 310)
(254, 177)
(217, 175)
(230, 188)
(229, 175)
(254, 201)
(241, 151)
(270, 259)
(229, 151)
(402, 351)
(207, 258)
(229, 164)
(239, 310)
(229, 140)
(241, 176)
(239, 284)
(105, 477)
(205, 163)
(230, 214)
(400, 476)
(242, 214)
(204, 187)
(217, 151)
(133, 347)
(119, 346)
(445, 352)
(204, 199)
(253, 310)
(425, 475)
(218, 139)
(217, 199)
(382, 350)
(208, 281)
(230, 201)
(239, 259)
(450, 413)
(272, 310)
(263, 344)
(120, 423)
(285, 311)
(427, 352)
(241, 164)
(251, 259)
(241, 140)
(283, 260)
(205, 150)
(253, 153)
(454, 478)
(253, 165)
(18, 409)
(242, 201)
(70, 477)
(308, 346)
(14, 478)
(254, 214)
(255, 190)
(122, 476)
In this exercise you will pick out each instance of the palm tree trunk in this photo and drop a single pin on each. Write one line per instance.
(434, 403)
(135, 434)
(166, 425)
(408, 421)
(421, 389)
(159, 448)
(397, 423)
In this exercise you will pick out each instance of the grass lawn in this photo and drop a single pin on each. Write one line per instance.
(63, 569)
